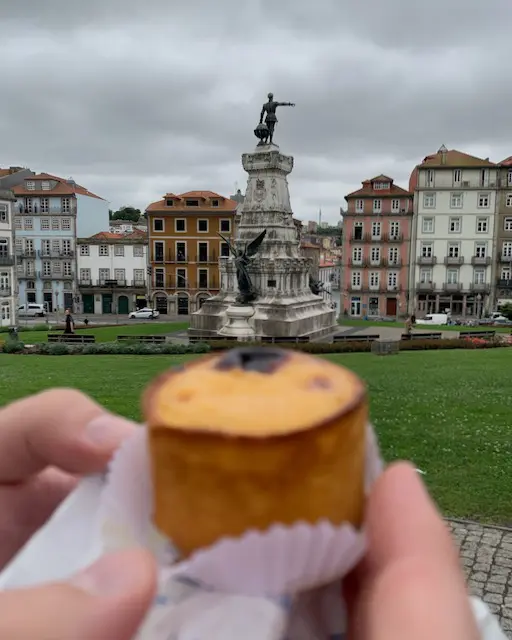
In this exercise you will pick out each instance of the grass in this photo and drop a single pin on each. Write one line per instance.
(109, 334)
(354, 322)
(447, 411)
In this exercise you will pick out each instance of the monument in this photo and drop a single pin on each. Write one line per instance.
(265, 284)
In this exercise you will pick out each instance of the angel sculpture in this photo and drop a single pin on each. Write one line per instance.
(242, 259)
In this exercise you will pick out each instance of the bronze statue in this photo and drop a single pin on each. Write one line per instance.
(242, 258)
(266, 131)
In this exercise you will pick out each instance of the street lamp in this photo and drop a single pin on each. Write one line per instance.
(479, 306)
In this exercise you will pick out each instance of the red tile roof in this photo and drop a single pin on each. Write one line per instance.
(225, 204)
(109, 237)
(452, 158)
(367, 189)
(507, 162)
(63, 187)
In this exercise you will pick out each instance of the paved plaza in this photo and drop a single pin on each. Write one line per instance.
(486, 554)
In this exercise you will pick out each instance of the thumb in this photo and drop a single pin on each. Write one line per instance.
(107, 601)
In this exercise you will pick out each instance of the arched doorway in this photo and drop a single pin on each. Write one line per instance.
(161, 304)
(183, 305)
(123, 305)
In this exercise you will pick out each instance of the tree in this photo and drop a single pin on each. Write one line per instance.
(506, 310)
(126, 213)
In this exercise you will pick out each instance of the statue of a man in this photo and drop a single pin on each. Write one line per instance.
(270, 109)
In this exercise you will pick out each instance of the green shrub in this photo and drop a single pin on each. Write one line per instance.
(58, 349)
(13, 346)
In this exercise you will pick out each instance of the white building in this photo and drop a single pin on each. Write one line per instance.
(128, 226)
(112, 270)
(8, 283)
(452, 236)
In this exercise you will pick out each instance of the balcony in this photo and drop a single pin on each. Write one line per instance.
(37, 210)
(139, 284)
(426, 260)
(5, 292)
(358, 264)
(396, 263)
(55, 276)
(358, 237)
(211, 258)
(86, 283)
(452, 287)
(425, 286)
(393, 237)
(476, 261)
(26, 254)
(355, 288)
(26, 276)
(55, 255)
(454, 260)
(374, 238)
(395, 290)
(505, 259)
(6, 261)
(504, 283)
(479, 287)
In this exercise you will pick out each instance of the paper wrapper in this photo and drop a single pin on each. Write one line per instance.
(283, 583)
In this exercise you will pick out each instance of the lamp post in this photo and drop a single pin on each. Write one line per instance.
(479, 306)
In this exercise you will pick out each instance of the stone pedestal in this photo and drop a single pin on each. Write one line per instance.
(285, 305)
(237, 325)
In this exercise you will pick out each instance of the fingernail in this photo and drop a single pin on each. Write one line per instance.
(109, 576)
(108, 431)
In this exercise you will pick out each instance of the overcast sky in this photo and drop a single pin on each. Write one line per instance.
(136, 98)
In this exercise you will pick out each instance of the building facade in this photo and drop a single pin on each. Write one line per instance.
(376, 249)
(185, 247)
(112, 272)
(8, 281)
(453, 232)
(50, 214)
(128, 226)
(503, 233)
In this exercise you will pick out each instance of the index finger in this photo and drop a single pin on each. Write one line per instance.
(61, 428)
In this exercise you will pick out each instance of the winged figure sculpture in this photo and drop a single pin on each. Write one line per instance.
(242, 259)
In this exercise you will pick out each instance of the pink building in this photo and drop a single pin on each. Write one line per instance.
(376, 245)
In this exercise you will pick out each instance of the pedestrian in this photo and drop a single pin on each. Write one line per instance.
(408, 326)
(70, 323)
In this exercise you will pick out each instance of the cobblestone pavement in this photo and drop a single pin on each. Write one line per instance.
(486, 554)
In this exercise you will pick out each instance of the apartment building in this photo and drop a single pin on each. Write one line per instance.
(8, 282)
(112, 272)
(375, 251)
(128, 226)
(453, 231)
(503, 233)
(50, 214)
(185, 246)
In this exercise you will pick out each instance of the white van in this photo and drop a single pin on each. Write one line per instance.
(433, 318)
(31, 310)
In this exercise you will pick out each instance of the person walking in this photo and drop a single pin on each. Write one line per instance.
(70, 323)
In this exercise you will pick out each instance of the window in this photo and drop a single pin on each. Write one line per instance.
(425, 275)
(55, 224)
(453, 249)
(377, 206)
(374, 280)
(215, 203)
(456, 200)
(224, 249)
(375, 255)
(180, 225)
(395, 206)
(392, 280)
(119, 250)
(457, 176)
(505, 273)
(103, 250)
(56, 247)
(158, 224)
(479, 276)
(181, 251)
(429, 178)
(85, 276)
(428, 225)
(138, 275)
(66, 248)
(507, 224)
(17, 223)
(509, 200)
(4, 247)
(202, 277)
(67, 269)
(160, 278)
(202, 226)
(225, 226)
(66, 205)
(483, 200)
(120, 275)
(28, 224)
(358, 231)
(484, 177)
(18, 245)
(393, 255)
(481, 249)
(47, 268)
(482, 225)
(104, 274)
(138, 251)
(30, 185)
(159, 251)
(45, 185)
(359, 206)
(356, 279)
(84, 249)
(202, 252)
(31, 268)
(45, 224)
(429, 200)
(452, 276)
(181, 278)
(394, 230)
(66, 223)
(191, 203)
(509, 177)
(455, 225)
(507, 250)
(426, 249)
(44, 204)
(4, 216)
(169, 203)
(357, 255)
(380, 185)
(28, 205)
(376, 229)
(45, 247)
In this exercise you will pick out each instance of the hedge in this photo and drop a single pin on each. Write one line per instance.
(105, 348)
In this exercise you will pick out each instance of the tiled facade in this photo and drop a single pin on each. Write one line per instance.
(8, 281)
(376, 235)
(503, 271)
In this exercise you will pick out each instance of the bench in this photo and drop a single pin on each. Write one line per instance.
(159, 339)
(341, 337)
(436, 335)
(285, 339)
(477, 334)
(72, 338)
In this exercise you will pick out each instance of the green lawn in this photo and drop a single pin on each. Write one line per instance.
(354, 322)
(450, 412)
(109, 334)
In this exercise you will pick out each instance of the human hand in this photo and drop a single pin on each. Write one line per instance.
(410, 584)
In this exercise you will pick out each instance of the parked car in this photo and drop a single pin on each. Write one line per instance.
(144, 314)
(434, 318)
(31, 311)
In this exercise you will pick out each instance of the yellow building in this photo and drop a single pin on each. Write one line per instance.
(185, 246)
